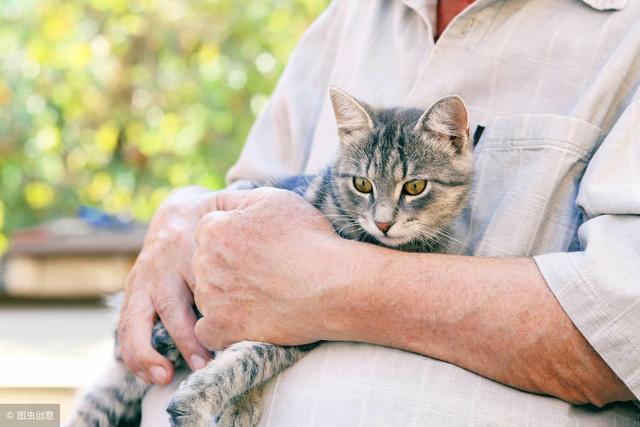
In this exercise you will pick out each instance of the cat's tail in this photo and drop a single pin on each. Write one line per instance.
(113, 401)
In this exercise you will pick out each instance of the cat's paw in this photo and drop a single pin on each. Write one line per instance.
(244, 410)
(188, 409)
(197, 402)
(240, 415)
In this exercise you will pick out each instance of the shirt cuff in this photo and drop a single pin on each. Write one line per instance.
(583, 302)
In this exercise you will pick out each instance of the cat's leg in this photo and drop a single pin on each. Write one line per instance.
(115, 399)
(241, 367)
(244, 410)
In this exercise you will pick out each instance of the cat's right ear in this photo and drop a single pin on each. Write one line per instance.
(351, 116)
(448, 118)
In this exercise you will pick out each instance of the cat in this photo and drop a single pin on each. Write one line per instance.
(400, 178)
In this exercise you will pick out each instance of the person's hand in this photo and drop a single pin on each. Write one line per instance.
(264, 266)
(159, 286)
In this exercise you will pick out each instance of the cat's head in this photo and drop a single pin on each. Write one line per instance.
(402, 175)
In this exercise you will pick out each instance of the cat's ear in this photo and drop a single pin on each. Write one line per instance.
(351, 116)
(447, 117)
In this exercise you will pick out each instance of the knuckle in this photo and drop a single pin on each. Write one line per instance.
(171, 234)
(145, 360)
(230, 245)
(142, 352)
(138, 359)
(214, 224)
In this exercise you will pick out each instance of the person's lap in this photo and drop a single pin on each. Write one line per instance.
(347, 384)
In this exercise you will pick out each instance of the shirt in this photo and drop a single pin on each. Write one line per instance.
(555, 86)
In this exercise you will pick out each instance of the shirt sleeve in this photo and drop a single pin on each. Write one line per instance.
(599, 285)
(280, 140)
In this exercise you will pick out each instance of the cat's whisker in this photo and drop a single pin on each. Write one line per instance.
(348, 228)
(450, 237)
(440, 236)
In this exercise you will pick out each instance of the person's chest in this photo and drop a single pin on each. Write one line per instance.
(543, 81)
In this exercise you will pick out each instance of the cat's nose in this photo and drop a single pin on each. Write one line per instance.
(383, 226)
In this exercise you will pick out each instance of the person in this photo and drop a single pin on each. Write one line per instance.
(532, 318)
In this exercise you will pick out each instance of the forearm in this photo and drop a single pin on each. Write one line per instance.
(493, 316)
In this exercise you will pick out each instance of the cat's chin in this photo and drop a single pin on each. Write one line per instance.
(391, 241)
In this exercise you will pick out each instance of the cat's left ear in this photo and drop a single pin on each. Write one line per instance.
(448, 118)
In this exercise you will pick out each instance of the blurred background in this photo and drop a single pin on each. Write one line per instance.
(105, 106)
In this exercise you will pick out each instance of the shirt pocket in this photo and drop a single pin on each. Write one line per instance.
(526, 177)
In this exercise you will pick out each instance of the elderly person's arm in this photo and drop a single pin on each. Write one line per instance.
(494, 316)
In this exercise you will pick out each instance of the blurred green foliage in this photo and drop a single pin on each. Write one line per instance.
(112, 103)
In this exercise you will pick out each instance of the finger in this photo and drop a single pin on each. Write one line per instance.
(210, 223)
(127, 355)
(137, 318)
(209, 335)
(177, 315)
(232, 200)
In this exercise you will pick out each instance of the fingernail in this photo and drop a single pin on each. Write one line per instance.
(158, 374)
(197, 362)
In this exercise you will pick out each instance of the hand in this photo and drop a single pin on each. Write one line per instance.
(264, 265)
(158, 286)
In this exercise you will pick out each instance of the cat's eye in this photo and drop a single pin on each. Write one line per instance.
(415, 187)
(363, 185)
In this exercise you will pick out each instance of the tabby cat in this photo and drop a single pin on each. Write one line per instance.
(400, 178)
